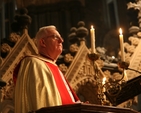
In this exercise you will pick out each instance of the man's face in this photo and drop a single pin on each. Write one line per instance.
(53, 43)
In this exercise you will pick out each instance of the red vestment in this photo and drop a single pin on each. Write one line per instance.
(39, 83)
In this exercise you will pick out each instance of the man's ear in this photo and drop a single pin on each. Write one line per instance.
(42, 42)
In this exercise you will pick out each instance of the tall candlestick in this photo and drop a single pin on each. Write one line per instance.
(92, 32)
(121, 45)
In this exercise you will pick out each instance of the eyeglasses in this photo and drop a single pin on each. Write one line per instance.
(56, 37)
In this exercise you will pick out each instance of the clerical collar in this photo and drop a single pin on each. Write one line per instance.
(48, 57)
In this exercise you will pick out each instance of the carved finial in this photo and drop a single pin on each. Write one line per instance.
(72, 36)
(81, 32)
(21, 22)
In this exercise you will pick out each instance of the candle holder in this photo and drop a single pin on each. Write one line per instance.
(123, 64)
(113, 87)
(93, 56)
(121, 90)
(101, 94)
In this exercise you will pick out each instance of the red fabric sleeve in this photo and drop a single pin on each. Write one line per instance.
(74, 94)
(15, 73)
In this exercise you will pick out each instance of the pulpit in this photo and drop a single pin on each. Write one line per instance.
(84, 108)
(128, 91)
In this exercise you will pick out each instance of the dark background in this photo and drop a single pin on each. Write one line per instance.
(107, 16)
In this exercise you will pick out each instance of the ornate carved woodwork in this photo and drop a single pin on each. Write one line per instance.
(84, 108)
(79, 71)
(24, 45)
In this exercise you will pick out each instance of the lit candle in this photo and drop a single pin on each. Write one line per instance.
(104, 80)
(121, 45)
(92, 32)
(125, 75)
(103, 83)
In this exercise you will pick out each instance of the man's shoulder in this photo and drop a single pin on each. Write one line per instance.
(36, 58)
(32, 58)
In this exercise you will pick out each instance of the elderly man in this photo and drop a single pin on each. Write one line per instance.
(38, 81)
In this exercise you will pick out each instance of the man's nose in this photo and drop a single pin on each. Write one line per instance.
(61, 40)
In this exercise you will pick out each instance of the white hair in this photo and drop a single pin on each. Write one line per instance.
(43, 32)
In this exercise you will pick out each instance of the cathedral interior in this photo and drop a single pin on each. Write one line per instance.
(84, 70)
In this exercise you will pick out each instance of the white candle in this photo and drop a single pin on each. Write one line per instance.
(92, 33)
(125, 75)
(103, 83)
(121, 45)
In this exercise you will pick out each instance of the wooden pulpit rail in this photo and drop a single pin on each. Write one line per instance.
(84, 108)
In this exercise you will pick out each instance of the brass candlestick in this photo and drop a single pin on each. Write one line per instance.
(123, 64)
(93, 56)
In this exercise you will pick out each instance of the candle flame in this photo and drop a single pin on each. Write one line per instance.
(113, 57)
(104, 80)
(92, 27)
(120, 31)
